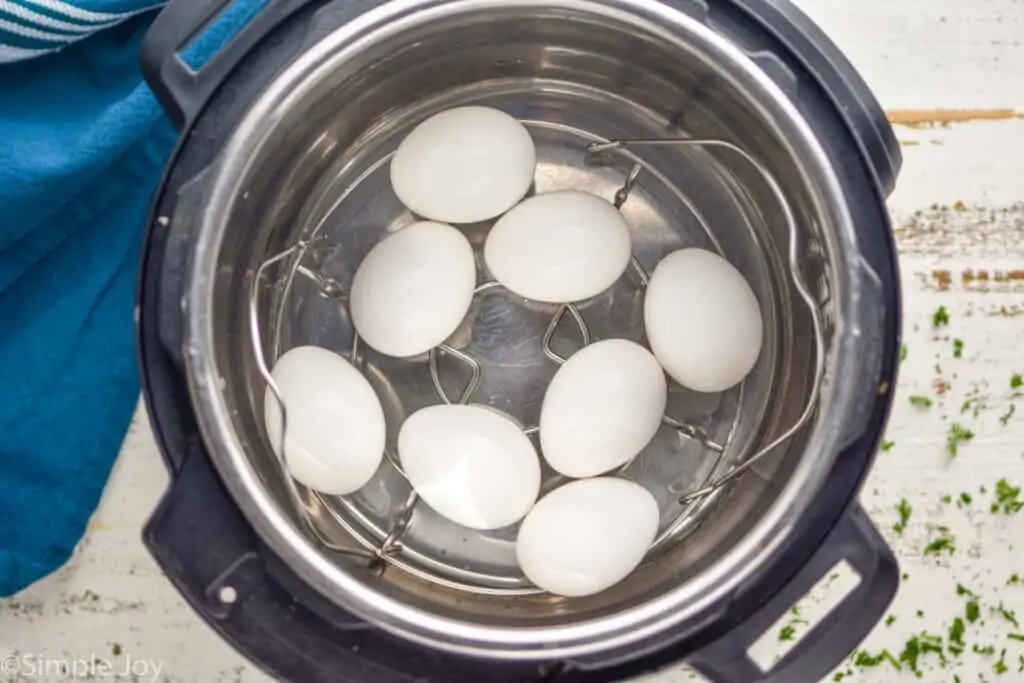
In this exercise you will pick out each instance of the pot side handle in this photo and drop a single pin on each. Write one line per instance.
(183, 89)
(854, 540)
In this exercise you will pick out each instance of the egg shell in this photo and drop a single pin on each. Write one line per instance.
(464, 165)
(413, 289)
(703, 320)
(559, 247)
(586, 536)
(603, 406)
(334, 420)
(472, 464)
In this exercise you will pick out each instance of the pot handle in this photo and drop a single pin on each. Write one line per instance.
(854, 540)
(181, 89)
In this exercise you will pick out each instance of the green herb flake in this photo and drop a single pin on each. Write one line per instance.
(865, 659)
(1007, 499)
(958, 348)
(920, 614)
(1007, 614)
(970, 403)
(1000, 667)
(921, 402)
(890, 620)
(1004, 419)
(956, 636)
(947, 499)
(904, 511)
(903, 352)
(1019, 637)
(787, 633)
(972, 611)
(1017, 381)
(887, 446)
(1014, 580)
(966, 498)
(840, 675)
(958, 434)
(986, 651)
(962, 590)
(941, 317)
(945, 543)
(919, 646)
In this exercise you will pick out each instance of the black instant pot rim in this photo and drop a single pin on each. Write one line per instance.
(274, 591)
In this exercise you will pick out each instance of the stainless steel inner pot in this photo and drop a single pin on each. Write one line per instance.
(310, 160)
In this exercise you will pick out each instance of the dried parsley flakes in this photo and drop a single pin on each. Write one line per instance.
(921, 401)
(958, 434)
(904, 511)
(1007, 499)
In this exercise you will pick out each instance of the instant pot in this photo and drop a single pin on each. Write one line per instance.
(278, 187)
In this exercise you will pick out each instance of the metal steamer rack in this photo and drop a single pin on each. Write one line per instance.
(382, 553)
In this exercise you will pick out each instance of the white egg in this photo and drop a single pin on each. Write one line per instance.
(334, 423)
(464, 165)
(603, 406)
(413, 289)
(703, 320)
(472, 464)
(559, 247)
(587, 536)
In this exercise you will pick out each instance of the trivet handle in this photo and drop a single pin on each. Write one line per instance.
(853, 99)
(854, 540)
(179, 28)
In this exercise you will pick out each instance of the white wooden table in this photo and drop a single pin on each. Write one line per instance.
(960, 211)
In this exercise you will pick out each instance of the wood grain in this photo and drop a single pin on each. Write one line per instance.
(931, 118)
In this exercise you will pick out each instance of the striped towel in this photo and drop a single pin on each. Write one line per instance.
(83, 143)
(31, 28)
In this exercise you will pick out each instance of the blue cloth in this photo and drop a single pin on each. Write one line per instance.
(82, 146)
